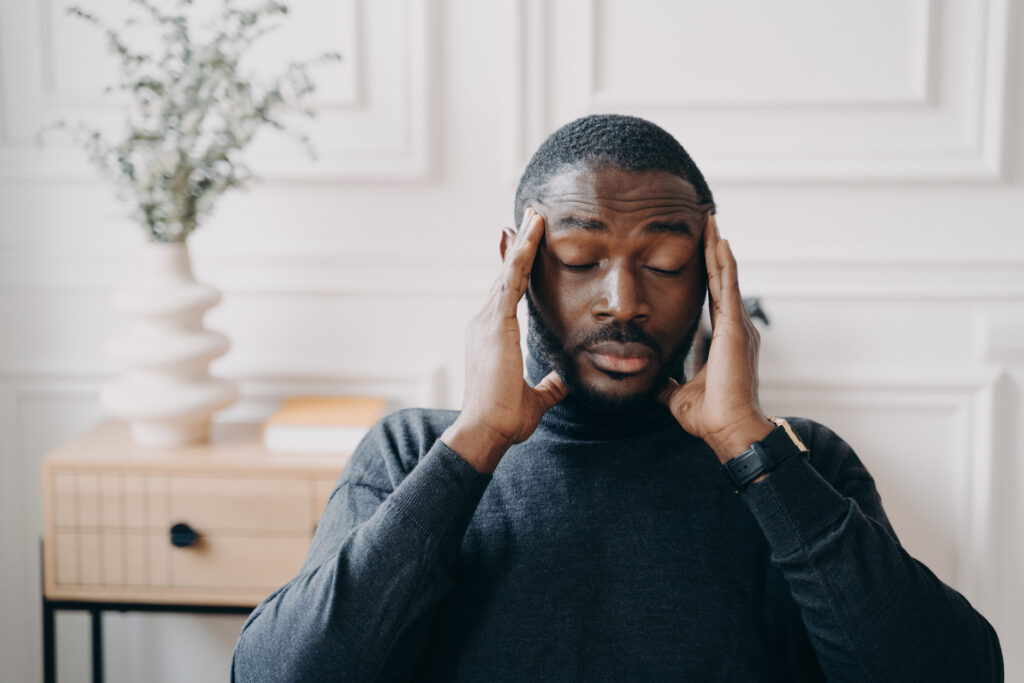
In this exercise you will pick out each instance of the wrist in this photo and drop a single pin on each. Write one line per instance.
(477, 444)
(728, 445)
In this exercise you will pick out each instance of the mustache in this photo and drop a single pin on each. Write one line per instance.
(622, 332)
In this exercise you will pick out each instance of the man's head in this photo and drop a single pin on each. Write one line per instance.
(619, 280)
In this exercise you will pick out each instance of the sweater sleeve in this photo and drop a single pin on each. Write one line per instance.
(872, 612)
(379, 563)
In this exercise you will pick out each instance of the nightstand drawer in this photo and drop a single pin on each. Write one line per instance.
(238, 562)
(94, 500)
(248, 520)
(211, 504)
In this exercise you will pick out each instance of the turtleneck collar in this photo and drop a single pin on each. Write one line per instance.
(572, 418)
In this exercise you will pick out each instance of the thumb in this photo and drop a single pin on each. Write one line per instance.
(551, 390)
(668, 393)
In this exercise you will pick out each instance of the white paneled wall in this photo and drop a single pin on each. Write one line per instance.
(867, 163)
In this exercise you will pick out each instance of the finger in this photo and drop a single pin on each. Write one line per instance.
(528, 215)
(500, 282)
(711, 240)
(520, 261)
(550, 390)
(515, 235)
(519, 264)
(732, 301)
(510, 237)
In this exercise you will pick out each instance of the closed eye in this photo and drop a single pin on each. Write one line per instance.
(666, 273)
(576, 268)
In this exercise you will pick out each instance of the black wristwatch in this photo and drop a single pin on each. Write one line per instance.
(765, 455)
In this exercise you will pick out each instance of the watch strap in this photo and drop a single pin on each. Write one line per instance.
(790, 432)
(749, 465)
(765, 455)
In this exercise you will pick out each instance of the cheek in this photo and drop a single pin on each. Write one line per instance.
(680, 304)
(694, 291)
(562, 301)
(697, 286)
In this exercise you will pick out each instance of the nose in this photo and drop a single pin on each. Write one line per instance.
(621, 296)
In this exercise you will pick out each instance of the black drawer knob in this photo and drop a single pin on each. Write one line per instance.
(182, 535)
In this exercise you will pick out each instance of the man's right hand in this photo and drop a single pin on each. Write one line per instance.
(499, 408)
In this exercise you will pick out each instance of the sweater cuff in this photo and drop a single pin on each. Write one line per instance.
(441, 493)
(794, 505)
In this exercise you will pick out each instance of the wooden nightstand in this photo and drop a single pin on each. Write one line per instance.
(209, 528)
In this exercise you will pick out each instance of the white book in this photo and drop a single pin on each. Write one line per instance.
(321, 424)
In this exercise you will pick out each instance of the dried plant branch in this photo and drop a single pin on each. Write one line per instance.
(191, 111)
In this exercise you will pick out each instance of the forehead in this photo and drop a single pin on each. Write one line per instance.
(610, 190)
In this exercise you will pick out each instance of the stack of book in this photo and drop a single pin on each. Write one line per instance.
(321, 424)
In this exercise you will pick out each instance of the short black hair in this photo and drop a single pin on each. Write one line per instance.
(626, 142)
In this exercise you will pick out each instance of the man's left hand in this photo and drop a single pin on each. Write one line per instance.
(719, 405)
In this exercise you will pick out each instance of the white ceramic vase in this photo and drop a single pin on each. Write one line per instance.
(166, 392)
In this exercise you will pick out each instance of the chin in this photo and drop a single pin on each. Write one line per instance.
(605, 392)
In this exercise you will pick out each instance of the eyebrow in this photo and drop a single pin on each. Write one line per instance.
(595, 225)
(676, 227)
(591, 224)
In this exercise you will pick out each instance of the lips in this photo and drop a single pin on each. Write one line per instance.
(626, 359)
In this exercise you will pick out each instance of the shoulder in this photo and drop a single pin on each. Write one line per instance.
(394, 446)
(830, 454)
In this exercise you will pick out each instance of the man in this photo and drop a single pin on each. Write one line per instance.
(610, 519)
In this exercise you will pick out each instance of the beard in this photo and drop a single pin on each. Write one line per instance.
(552, 348)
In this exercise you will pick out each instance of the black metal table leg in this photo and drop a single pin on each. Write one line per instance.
(95, 610)
(97, 645)
(49, 644)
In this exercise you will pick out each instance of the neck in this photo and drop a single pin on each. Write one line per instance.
(575, 418)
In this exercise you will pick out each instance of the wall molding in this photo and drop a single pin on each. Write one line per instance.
(390, 127)
(973, 398)
(922, 91)
(999, 333)
(857, 141)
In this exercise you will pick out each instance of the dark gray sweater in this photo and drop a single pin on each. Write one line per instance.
(608, 548)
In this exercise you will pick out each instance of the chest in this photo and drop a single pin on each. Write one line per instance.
(645, 540)
(599, 564)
